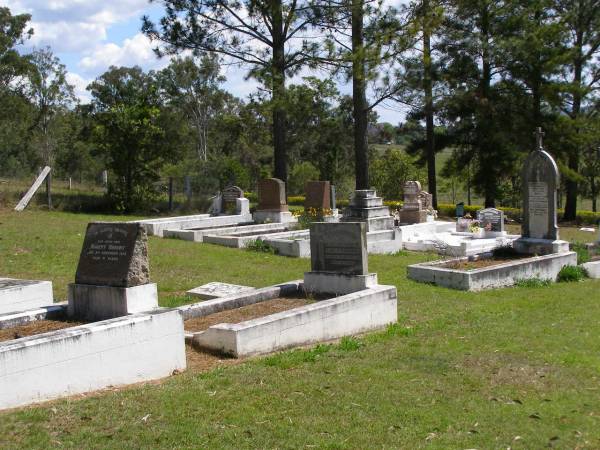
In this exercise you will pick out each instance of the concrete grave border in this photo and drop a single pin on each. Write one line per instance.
(501, 275)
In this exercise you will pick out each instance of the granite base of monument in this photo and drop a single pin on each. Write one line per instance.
(411, 217)
(93, 303)
(337, 283)
(530, 246)
(274, 217)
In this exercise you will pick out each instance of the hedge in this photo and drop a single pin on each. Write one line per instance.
(448, 210)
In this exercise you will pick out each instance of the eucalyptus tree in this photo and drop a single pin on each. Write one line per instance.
(266, 36)
(193, 87)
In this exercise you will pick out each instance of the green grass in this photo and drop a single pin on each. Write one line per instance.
(516, 367)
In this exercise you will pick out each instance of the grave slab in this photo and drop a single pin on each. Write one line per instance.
(218, 290)
(21, 295)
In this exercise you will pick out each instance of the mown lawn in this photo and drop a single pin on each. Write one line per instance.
(510, 368)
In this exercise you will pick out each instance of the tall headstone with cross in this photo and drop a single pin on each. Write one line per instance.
(539, 231)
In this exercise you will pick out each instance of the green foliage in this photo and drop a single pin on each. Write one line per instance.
(299, 175)
(349, 344)
(260, 246)
(533, 283)
(391, 171)
(135, 134)
(571, 273)
(583, 253)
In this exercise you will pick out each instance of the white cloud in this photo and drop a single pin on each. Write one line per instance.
(135, 51)
(80, 84)
(74, 25)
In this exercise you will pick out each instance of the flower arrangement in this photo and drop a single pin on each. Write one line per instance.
(306, 217)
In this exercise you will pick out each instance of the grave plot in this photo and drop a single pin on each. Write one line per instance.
(19, 295)
(338, 297)
(537, 253)
(593, 265)
(110, 333)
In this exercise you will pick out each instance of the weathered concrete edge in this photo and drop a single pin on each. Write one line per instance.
(201, 309)
(354, 313)
(17, 318)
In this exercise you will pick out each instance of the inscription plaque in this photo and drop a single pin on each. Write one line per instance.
(229, 196)
(339, 247)
(114, 254)
(491, 219)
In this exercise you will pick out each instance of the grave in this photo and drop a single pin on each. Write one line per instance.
(21, 295)
(505, 267)
(366, 206)
(230, 201)
(339, 260)
(491, 220)
(113, 275)
(272, 204)
(539, 231)
(416, 204)
(317, 195)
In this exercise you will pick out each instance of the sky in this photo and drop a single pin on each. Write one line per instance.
(91, 35)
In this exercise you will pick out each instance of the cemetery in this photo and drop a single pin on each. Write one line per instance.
(290, 224)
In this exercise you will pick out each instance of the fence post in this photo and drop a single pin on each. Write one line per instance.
(170, 193)
(49, 189)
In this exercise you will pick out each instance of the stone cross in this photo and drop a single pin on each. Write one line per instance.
(539, 135)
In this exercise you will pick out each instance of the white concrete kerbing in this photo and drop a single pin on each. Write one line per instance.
(274, 216)
(324, 320)
(156, 227)
(243, 241)
(544, 267)
(20, 295)
(93, 303)
(234, 301)
(592, 268)
(85, 358)
(197, 235)
(14, 319)
(337, 283)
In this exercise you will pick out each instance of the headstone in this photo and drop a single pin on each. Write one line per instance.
(114, 254)
(317, 195)
(338, 254)
(540, 183)
(426, 200)
(366, 206)
(491, 220)
(539, 231)
(271, 195)
(339, 247)
(113, 276)
(229, 196)
(413, 209)
(460, 209)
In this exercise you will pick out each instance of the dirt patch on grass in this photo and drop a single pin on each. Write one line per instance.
(200, 361)
(34, 328)
(245, 313)
(505, 370)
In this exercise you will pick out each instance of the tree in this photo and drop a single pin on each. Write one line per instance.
(136, 134)
(193, 87)
(50, 92)
(363, 36)
(263, 35)
(12, 33)
(581, 19)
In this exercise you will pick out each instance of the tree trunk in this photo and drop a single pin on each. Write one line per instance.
(428, 89)
(573, 158)
(359, 98)
(278, 73)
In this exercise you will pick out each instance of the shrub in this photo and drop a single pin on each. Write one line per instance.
(583, 253)
(260, 246)
(571, 273)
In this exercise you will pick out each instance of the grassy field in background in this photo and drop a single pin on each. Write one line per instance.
(507, 368)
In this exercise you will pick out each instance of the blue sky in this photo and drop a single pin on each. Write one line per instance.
(90, 35)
